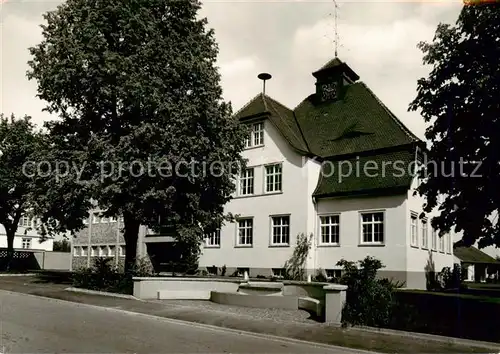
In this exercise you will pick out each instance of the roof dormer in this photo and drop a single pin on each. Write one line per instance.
(331, 79)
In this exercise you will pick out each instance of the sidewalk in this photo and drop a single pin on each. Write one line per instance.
(243, 320)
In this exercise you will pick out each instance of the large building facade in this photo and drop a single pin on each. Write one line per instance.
(339, 167)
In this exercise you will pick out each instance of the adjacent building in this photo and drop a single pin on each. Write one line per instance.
(27, 238)
(339, 166)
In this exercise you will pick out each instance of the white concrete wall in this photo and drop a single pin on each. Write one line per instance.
(295, 200)
(418, 256)
(392, 253)
(26, 233)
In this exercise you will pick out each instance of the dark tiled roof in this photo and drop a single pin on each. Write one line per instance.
(472, 255)
(366, 174)
(281, 116)
(357, 122)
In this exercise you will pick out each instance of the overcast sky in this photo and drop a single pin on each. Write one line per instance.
(289, 39)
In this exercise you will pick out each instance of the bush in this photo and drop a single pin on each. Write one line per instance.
(369, 301)
(451, 279)
(320, 276)
(104, 276)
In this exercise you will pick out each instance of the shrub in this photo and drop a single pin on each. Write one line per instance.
(369, 300)
(223, 270)
(320, 276)
(451, 279)
(104, 276)
(295, 266)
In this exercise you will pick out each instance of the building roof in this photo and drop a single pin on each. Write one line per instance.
(281, 116)
(357, 123)
(473, 255)
(389, 171)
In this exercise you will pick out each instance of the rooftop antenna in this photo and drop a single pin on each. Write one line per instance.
(264, 77)
(336, 28)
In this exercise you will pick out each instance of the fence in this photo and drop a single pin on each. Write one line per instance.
(36, 260)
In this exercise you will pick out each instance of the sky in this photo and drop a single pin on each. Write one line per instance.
(288, 39)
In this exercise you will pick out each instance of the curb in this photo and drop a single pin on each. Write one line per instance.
(102, 293)
(432, 337)
(17, 275)
(196, 324)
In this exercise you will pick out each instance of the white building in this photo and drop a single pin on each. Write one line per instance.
(26, 237)
(340, 167)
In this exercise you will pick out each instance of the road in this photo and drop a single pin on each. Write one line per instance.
(30, 324)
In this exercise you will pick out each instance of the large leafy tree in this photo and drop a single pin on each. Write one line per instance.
(21, 145)
(136, 87)
(461, 101)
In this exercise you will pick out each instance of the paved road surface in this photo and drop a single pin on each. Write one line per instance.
(31, 324)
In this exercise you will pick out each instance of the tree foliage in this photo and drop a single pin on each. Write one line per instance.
(460, 100)
(137, 90)
(295, 267)
(20, 143)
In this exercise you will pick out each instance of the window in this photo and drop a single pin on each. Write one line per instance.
(122, 251)
(213, 240)
(333, 273)
(85, 221)
(94, 251)
(241, 271)
(414, 229)
(256, 137)
(77, 251)
(26, 243)
(434, 240)
(103, 251)
(280, 230)
(449, 245)
(112, 251)
(441, 243)
(246, 182)
(25, 221)
(278, 272)
(96, 219)
(104, 220)
(84, 251)
(112, 219)
(373, 228)
(273, 178)
(245, 232)
(329, 226)
(425, 236)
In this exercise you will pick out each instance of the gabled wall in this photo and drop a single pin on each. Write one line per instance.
(26, 233)
(295, 200)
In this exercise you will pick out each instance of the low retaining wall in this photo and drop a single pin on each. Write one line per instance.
(320, 298)
(260, 301)
(180, 287)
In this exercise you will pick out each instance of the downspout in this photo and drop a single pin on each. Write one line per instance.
(315, 227)
(91, 220)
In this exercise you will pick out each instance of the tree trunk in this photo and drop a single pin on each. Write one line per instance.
(131, 235)
(10, 248)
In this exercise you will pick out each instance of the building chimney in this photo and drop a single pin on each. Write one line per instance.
(264, 77)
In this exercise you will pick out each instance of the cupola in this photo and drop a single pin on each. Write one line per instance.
(331, 79)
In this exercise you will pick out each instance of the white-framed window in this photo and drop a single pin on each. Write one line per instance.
(84, 250)
(441, 243)
(414, 229)
(372, 228)
(122, 251)
(247, 182)
(278, 272)
(94, 251)
(112, 251)
(77, 251)
(103, 251)
(213, 240)
(26, 243)
(245, 232)
(274, 178)
(256, 137)
(280, 230)
(25, 221)
(96, 219)
(425, 234)
(112, 219)
(333, 273)
(329, 229)
(434, 239)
